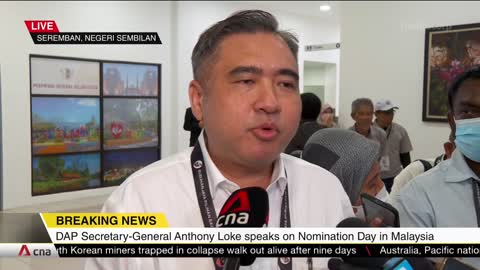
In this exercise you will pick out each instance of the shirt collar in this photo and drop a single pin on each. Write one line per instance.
(375, 123)
(216, 180)
(459, 170)
(369, 130)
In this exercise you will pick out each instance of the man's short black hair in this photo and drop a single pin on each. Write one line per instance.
(311, 105)
(246, 21)
(473, 73)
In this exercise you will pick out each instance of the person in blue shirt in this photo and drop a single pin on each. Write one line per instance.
(448, 194)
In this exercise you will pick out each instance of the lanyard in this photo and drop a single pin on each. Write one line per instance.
(207, 208)
(476, 198)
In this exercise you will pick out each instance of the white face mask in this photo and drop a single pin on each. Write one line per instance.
(383, 195)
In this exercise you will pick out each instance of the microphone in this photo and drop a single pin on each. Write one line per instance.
(375, 263)
(246, 207)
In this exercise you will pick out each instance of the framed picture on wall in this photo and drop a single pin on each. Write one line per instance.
(118, 165)
(65, 125)
(127, 79)
(61, 173)
(449, 51)
(64, 76)
(130, 123)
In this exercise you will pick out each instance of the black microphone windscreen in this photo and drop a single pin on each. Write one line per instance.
(246, 207)
(334, 264)
(337, 264)
(373, 262)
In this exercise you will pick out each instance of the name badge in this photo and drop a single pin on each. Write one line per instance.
(384, 164)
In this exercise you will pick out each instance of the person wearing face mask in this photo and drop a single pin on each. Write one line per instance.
(448, 194)
(327, 116)
(352, 158)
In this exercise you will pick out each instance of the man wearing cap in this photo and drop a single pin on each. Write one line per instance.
(398, 142)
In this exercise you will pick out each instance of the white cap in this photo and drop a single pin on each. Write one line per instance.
(384, 105)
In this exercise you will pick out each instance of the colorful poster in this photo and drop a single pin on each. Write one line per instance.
(130, 123)
(130, 79)
(118, 165)
(61, 173)
(51, 76)
(65, 125)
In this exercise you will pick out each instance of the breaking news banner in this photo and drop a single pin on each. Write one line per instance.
(148, 235)
(47, 32)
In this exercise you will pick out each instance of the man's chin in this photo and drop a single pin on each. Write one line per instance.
(265, 155)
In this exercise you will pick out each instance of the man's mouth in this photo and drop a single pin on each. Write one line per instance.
(266, 132)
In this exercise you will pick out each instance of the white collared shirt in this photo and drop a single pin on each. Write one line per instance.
(316, 199)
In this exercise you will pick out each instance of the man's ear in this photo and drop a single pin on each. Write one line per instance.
(353, 116)
(451, 122)
(196, 94)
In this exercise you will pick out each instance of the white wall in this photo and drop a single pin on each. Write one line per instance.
(325, 75)
(332, 91)
(314, 76)
(178, 25)
(16, 46)
(195, 17)
(331, 85)
(383, 56)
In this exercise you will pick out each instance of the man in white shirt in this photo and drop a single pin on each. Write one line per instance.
(245, 95)
(420, 166)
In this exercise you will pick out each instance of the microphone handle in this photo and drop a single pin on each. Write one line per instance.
(232, 263)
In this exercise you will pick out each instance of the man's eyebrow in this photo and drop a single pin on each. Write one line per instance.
(245, 69)
(288, 72)
(258, 71)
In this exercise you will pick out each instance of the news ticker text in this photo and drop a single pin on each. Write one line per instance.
(236, 250)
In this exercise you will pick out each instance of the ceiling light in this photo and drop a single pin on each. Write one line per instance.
(325, 7)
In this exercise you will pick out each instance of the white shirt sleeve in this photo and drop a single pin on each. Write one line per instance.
(406, 175)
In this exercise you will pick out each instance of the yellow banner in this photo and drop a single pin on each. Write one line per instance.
(105, 220)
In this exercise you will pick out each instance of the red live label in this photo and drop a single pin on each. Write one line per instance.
(41, 26)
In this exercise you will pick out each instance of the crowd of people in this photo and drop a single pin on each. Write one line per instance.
(257, 130)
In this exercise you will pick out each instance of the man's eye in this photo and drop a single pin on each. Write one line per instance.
(288, 85)
(248, 82)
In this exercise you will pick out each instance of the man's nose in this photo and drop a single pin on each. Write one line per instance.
(267, 98)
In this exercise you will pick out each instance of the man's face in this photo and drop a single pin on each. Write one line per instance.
(466, 103)
(384, 118)
(364, 116)
(249, 101)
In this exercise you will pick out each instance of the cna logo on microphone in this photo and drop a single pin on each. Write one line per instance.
(47, 32)
(235, 211)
